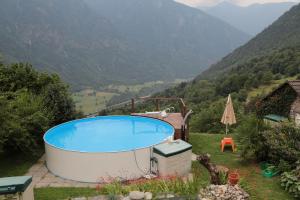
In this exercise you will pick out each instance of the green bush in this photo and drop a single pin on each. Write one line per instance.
(281, 143)
(208, 118)
(278, 145)
(284, 166)
(249, 136)
(291, 181)
(30, 103)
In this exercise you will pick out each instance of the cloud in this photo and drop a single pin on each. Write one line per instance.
(238, 2)
(195, 3)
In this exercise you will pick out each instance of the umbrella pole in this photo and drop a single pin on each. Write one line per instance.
(226, 129)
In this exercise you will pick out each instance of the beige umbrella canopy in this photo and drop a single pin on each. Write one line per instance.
(228, 117)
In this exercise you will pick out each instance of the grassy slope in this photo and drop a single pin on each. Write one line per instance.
(259, 187)
(265, 89)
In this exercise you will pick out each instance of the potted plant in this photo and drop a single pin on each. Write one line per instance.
(233, 178)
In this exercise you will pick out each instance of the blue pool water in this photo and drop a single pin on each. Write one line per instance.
(108, 134)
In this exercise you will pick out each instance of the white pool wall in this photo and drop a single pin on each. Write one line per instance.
(98, 167)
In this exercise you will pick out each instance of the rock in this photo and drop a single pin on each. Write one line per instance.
(165, 196)
(102, 197)
(148, 195)
(223, 192)
(126, 198)
(136, 195)
(80, 198)
(170, 196)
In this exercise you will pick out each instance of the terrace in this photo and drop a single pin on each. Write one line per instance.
(179, 120)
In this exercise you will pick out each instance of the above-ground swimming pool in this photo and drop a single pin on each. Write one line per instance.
(94, 149)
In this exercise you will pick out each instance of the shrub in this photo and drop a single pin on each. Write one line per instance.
(249, 135)
(278, 145)
(281, 143)
(291, 181)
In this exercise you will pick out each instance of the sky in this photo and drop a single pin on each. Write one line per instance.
(238, 2)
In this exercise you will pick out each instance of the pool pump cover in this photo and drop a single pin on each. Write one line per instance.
(12, 185)
(174, 158)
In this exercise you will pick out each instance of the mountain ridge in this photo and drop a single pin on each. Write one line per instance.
(282, 33)
(250, 19)
(91, 49)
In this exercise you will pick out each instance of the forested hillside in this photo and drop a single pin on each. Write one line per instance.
(275, 55)
(285, 32)
(207, 97)
(94, 43)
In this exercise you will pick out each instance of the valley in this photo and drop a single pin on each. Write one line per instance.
(91, 101)
(71, 67)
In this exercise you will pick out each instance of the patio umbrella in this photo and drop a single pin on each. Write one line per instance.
(228, 117)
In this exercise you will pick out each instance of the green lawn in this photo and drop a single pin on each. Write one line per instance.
(260, 188)
(63, 193)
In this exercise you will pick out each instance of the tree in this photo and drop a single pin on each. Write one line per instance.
(30, 103)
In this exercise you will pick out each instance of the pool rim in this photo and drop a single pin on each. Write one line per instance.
(172, 135)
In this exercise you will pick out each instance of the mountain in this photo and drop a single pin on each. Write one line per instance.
(267, 60)
(93, 43)
(285, 32)
(251, 19)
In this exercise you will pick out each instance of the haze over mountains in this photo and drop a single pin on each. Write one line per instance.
(93, 43)
(251, 19)
(283, 33)
(270, 58)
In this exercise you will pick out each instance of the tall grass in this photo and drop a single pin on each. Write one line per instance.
(158, 186)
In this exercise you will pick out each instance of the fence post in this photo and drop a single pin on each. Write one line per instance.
(132, 106)
(157, 104)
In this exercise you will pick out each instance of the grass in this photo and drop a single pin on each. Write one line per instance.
(173, 185)
(15, 165)
(265, 89)
(260, 188)
(63, 193)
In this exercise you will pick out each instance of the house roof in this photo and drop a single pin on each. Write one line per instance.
(295, 84)
(275, 118)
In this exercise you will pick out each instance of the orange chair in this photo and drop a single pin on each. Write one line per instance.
(227, 141)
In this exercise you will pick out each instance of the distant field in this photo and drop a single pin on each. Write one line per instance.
(139, 87)
(90, 101)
